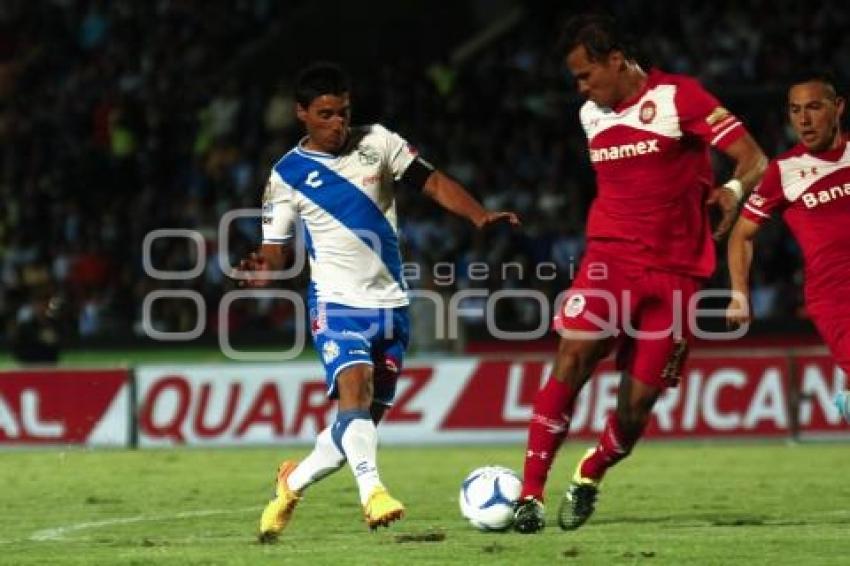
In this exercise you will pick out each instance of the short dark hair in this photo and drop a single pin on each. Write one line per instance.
(318, 79)
(826, 78)
(599, 34)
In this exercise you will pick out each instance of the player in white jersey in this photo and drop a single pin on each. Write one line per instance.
(339, 182)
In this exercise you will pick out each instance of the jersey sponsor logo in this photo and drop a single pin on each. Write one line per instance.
(313, 180)
(368, 155)
(647, 112)
(371, 180)
(812, 199)
(624, 151)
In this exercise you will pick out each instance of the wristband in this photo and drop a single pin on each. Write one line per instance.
(736, 187)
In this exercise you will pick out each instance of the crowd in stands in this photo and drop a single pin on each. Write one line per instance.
(118, 118)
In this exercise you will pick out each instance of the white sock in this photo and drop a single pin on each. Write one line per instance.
(324, 460)
(360, 442)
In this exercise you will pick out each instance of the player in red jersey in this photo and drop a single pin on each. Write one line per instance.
(810, 186)
(649, 250)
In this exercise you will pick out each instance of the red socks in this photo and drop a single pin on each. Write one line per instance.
(550, 421)
(613, 446)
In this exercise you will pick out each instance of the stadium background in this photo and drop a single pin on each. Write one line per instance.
(118, 118)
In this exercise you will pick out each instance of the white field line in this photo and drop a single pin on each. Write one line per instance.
(58, 533)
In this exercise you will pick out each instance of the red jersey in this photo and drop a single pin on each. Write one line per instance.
(813, 193)
(654, 174)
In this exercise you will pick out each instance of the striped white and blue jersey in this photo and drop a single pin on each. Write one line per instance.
(347, 206)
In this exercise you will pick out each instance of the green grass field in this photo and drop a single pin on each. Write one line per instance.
(669, 504)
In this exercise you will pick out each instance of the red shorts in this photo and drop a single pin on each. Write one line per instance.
(642, 310)
(834, 328)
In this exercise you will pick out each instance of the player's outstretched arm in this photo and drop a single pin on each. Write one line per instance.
(453, 197)
(740, 256)
(750, 164)
(257, 269)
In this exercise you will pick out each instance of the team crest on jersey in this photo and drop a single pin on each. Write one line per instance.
(368, 155)
(575, 305)
(647, 112)
(330, 351)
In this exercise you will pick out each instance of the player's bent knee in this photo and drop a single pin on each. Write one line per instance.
(633, 418)
(575, 360)
(355, 386)
(377, 410)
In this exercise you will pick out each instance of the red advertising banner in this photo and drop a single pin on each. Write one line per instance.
(64, 407)
(477, 400)
(442, 401)
(717, 397)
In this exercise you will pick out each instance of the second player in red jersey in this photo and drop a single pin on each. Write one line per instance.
(649, 250)
(810, 186)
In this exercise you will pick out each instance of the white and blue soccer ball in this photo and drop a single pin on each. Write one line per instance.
(487, 497)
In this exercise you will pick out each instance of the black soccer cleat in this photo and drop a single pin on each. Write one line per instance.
(577, 505)
(528, 516)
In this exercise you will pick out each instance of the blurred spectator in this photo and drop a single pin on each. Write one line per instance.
(117, 118)
(36, 334)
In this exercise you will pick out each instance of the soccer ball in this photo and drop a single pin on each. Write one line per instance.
(487, 497)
